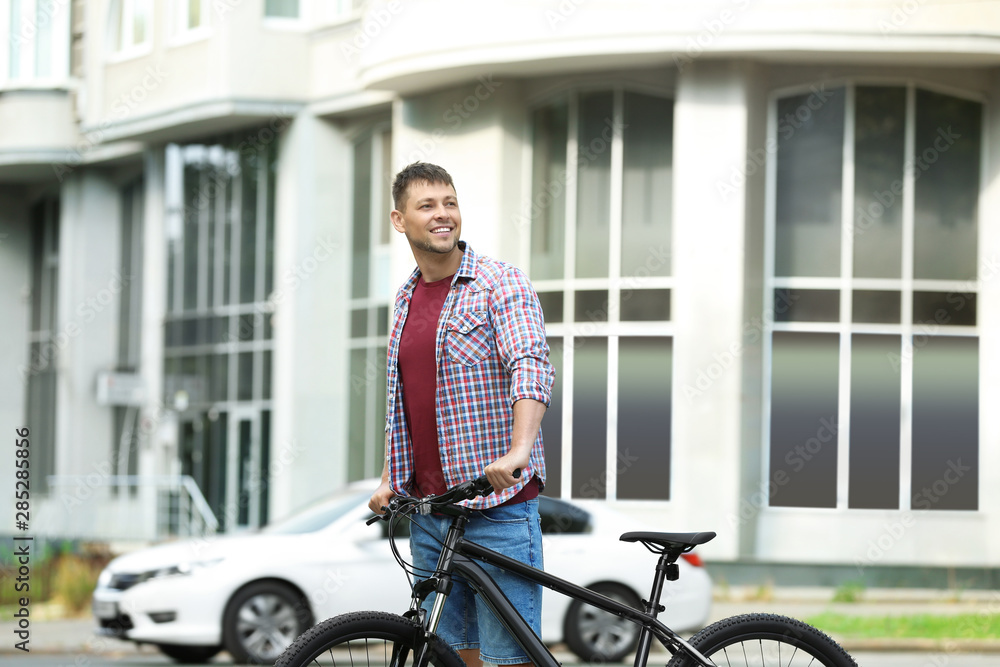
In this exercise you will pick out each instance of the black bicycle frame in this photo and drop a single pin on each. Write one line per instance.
(461, 564)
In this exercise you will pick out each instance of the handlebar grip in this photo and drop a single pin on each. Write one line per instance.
(374, 519)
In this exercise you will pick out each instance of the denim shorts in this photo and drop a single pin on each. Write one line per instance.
(466, 622)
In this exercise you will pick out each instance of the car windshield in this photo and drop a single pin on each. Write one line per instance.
(316, 516)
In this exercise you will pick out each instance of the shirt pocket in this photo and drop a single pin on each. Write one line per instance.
(468, 340)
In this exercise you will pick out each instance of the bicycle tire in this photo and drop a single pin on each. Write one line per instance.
(365, 639)
(765, 640)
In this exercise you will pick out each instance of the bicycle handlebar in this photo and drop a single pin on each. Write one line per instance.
(464, 491)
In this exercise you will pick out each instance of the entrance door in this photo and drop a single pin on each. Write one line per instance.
(247, 471)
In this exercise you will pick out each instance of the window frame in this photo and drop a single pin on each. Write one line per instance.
(846, 283)
(122, 13)
(180, 33)
(372, 344)
(612, 330)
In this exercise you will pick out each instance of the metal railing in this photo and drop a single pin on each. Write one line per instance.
(170, 505)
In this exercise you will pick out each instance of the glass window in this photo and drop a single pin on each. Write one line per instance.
(809, 176)
(804, 419)
(946, 186)
(908, 353)
(370, 298)
(593, 206)
(645, 366)
(282, 8)
(647, 184)
(879, 152)
(875, 422)
(606, 268)
(39, 374)
(131, 24)
(548, 192)
(590, 417)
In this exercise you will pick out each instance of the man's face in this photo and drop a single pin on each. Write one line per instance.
(430, 218)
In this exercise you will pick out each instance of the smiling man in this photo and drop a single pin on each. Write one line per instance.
(468, 382)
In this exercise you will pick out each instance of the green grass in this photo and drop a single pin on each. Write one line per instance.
(958, 626)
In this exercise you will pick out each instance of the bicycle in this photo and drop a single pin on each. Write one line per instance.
(379, 638)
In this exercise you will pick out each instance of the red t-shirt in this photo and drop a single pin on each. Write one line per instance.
(418, 375)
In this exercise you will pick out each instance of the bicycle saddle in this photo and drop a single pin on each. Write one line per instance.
(669, 541)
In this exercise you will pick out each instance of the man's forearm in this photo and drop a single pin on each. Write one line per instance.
(528, 415)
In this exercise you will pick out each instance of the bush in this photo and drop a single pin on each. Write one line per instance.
(73, 582)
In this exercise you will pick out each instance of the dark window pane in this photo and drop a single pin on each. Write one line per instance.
(552, 306)
(806, 305)
(357, 426)
(222, 333)
(248, 232)
(193, 211)
(247, 326)
(244, 380)
(590, 417)
(266, 373)
(359, 323)
(547, 209)
(382, 325)
(945, 459)
(651, 305)
(282, 8)
(804, 419)
(593, 231)
(875, 413)
(946, 192)
(361, 214)
(644, 371)
(272, 177)
(592, 306)
(954, 308)
(875, 307)
(809, 183)
(647, 184)
(879, 146)
(219, 378)
(552, 424)
(265, 463)
(243, 475)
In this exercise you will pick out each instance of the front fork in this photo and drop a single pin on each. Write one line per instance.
(440, 583)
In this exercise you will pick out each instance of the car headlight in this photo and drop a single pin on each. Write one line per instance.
(185, 568)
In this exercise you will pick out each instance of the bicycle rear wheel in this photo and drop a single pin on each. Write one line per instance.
(765, 640)
(365, 639)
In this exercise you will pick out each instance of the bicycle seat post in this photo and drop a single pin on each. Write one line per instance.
(666, 569)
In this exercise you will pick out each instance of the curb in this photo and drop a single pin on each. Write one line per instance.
(918, 645)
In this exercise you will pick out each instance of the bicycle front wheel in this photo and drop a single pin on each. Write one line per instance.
(765, 640)
(366, 639)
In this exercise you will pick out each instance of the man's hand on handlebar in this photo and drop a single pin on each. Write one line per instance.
(381, 497)
(506, 470)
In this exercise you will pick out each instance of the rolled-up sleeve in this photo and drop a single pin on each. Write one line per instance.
(520, 335)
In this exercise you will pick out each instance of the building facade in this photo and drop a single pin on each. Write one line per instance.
(765, 239)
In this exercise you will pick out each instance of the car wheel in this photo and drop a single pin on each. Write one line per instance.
(596, 635)
(189, 655)
(261, 620)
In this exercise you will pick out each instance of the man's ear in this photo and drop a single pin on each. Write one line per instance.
(397, 221)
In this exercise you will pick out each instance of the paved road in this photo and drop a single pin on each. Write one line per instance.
(133, 659)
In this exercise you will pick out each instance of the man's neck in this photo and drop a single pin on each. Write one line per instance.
(435, 266)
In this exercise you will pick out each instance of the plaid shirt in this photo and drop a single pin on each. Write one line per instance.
(491, 352)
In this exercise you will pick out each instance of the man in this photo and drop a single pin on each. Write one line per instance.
(468, 382)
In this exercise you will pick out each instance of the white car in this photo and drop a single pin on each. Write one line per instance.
(253, 594)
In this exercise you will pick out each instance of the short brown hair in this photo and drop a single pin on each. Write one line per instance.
(418, 172)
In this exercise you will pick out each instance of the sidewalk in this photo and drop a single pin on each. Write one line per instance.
(76, 635)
